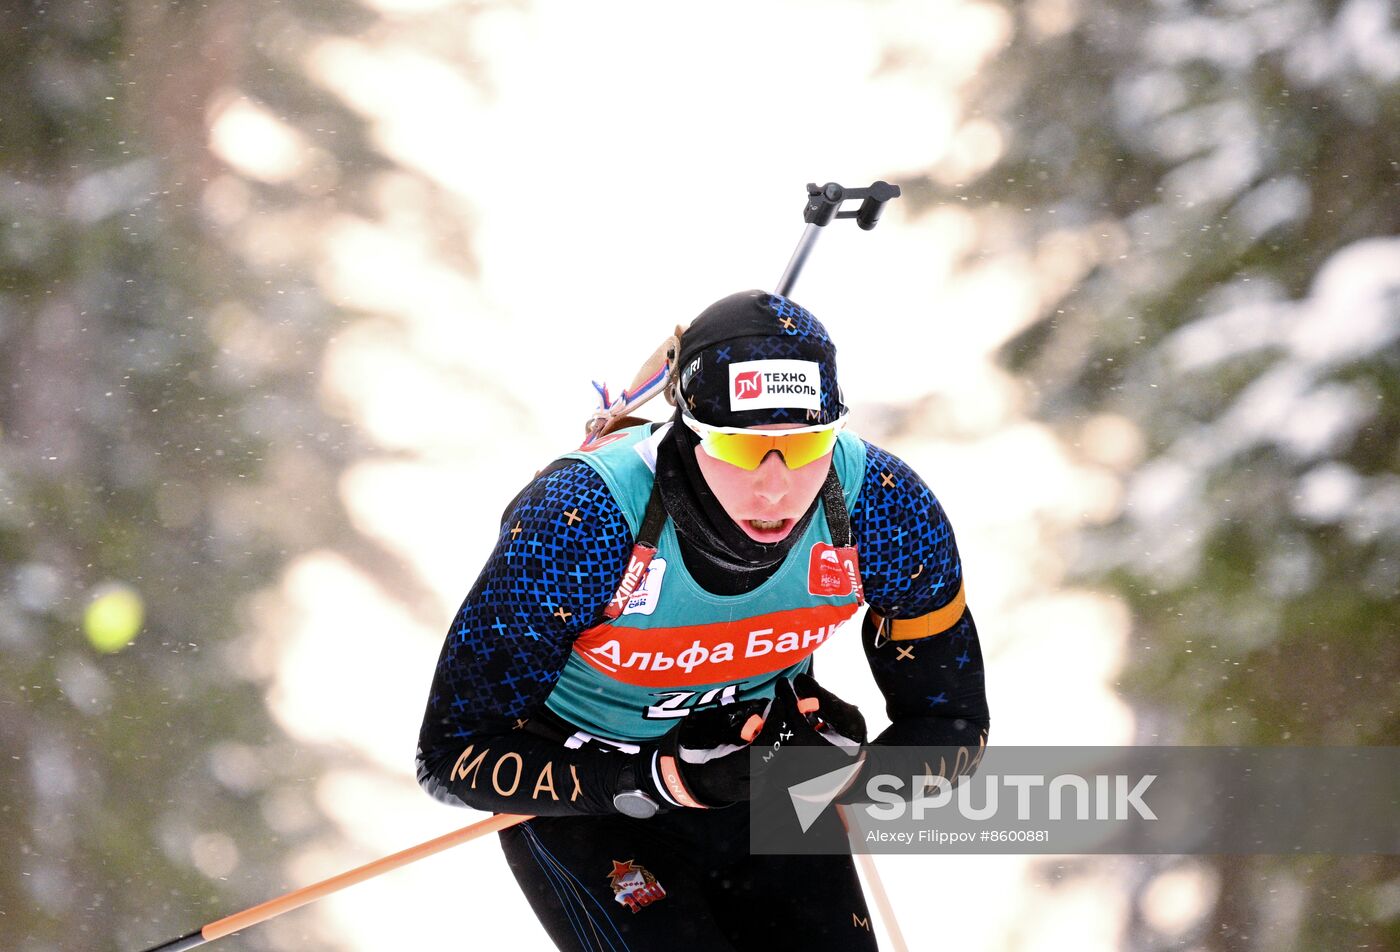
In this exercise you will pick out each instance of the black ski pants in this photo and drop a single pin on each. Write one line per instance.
(680, 881)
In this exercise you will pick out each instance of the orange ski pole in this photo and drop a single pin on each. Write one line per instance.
(300, 897)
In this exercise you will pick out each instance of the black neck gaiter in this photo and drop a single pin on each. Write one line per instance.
(720, 555)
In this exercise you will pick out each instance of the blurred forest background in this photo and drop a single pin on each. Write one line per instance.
(1206, 195)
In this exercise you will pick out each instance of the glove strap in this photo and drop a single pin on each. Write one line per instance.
(672, 786)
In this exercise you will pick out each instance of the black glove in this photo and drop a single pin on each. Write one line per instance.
(827, 716)
(816, 718)
(704, 760)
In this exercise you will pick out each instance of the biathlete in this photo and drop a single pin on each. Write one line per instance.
(650, 610)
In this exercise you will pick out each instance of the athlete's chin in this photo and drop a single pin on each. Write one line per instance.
(767, 530)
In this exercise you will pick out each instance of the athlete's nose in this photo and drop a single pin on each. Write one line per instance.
(773, 480)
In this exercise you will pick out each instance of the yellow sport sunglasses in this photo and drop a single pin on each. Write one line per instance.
(747, 448)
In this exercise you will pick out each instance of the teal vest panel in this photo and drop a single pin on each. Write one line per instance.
(675, 646)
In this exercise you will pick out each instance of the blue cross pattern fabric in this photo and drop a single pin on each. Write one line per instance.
(563, 546)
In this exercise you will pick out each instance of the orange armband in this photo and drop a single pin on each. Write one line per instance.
(934, 623)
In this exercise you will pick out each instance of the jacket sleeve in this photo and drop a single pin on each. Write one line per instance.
(563, 545)
(924, 653)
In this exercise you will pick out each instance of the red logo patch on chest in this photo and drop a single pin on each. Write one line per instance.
(833, 570)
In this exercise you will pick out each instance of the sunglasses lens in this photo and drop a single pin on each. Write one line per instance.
(744, 450)
(803, 448)
(747, 450)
